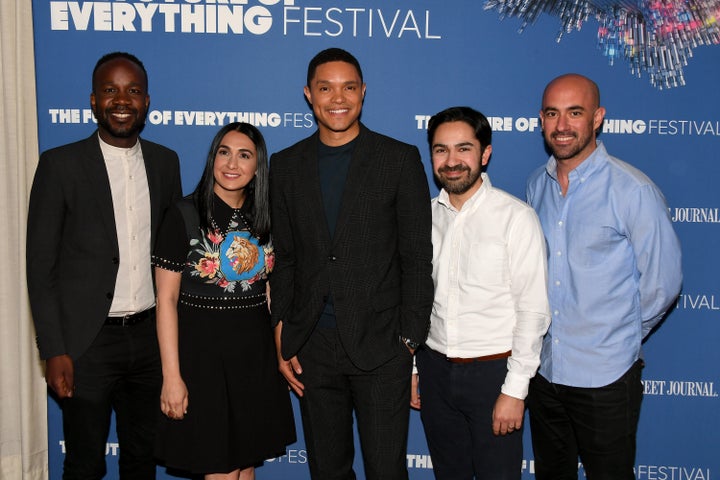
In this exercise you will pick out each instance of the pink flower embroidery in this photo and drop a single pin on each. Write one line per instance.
(215, 237)
(269, 262)
(208, 266)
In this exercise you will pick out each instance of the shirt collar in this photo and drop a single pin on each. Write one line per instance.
(109, 150)
(596, 159)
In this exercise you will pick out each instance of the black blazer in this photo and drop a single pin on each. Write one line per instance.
(72, 247)
(378, 264)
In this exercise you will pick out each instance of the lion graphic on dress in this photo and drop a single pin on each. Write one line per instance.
(243, 254)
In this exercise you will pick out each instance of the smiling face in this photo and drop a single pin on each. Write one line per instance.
(336, 94)
(235, 166)
(570, 117)
(119, 101)
(457, 159)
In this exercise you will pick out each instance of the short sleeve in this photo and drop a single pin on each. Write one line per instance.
(171, 246)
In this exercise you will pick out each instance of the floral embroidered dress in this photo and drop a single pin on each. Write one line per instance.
(239, 411)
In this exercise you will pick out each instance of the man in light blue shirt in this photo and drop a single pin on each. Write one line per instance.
(613, 272)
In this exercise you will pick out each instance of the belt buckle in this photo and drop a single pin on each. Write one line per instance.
(125, 320)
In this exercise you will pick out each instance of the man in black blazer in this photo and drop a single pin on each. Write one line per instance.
(95, 206)
(352, 287)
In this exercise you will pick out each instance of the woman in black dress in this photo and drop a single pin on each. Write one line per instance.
(226, 406)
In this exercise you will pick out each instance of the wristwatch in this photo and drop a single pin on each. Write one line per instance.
(411, 345)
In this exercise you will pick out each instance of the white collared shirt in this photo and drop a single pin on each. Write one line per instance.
(490, 275)
(131, 206)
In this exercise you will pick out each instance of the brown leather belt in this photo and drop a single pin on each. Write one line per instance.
(484, 358)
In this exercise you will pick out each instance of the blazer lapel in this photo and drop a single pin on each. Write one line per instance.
(309, 178)
(356, 178)
(154, 180)
(98, 183)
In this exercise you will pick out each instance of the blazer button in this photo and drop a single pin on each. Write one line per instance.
(116, 260)
(109, 295)
(332, 258)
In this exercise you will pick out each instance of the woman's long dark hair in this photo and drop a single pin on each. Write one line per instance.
(257, 204)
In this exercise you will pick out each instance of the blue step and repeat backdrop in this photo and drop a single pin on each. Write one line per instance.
(211, 62)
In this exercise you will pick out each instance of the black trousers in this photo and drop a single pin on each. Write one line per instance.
(599, 425)
(457, 406)
(121, 372)
(380, 399)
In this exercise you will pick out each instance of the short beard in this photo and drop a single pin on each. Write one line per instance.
(460, 186)
(129, 131)
(582, 142)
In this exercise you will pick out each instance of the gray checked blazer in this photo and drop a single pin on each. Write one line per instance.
(378, 263)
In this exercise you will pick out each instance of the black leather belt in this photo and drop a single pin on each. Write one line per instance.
(132, 319)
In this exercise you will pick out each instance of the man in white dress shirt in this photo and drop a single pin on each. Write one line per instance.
(490, 310)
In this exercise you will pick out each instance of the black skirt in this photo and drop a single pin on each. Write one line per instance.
(239, 410)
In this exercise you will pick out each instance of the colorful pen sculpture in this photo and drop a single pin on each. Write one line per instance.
(656, 37)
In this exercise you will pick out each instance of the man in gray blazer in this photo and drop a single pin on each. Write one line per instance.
(352, 286)
(95, 207)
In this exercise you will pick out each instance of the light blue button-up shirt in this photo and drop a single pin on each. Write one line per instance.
(614, 267)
